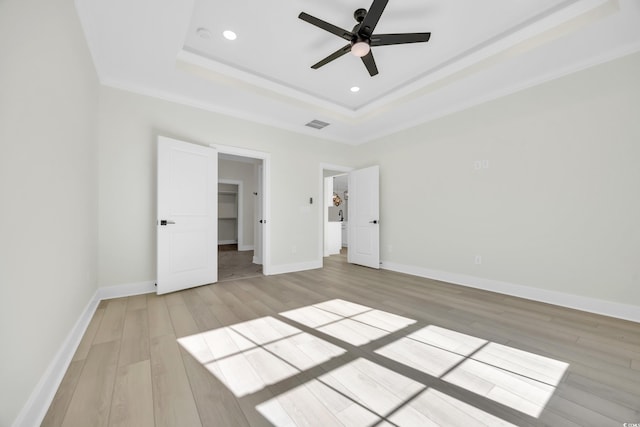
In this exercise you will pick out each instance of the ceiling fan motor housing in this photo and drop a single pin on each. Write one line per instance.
(359, 14)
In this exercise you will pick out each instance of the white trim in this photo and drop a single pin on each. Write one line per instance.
(227, 242)
(292, 268)
(245, 248)
(137, 88)
(592, 305)
(255, 260)
(240, 218)
(140, 89)
(126, 290)
(35, 409)
(202, 66)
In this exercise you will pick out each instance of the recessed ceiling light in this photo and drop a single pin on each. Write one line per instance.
(203, 33)
(355, 89)
(229, 35)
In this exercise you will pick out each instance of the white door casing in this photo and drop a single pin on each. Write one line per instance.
(187, 248)
(364, 211)
(327, 202)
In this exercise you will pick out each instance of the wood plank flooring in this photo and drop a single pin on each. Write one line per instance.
(235, 265)
(348, 345)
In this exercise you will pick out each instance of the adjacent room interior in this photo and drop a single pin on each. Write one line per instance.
(238, 217)
(501, 239)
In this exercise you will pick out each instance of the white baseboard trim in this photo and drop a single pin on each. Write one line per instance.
(36, 408)
(126, 290)
(245, 247)
(38, 404)
(256, 260)
(227, 242)
(292, 268)
(592, 305)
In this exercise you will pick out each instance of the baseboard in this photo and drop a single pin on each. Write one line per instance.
(245, 247)
(227, 242)
(592, 305)
(36, 408)
(292, 268)
(256, 260)
(126, 290)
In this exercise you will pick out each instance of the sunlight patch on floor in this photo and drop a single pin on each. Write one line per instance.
(518, 379)
(521, 380)
(434, 408)
(249, 356)
(353, 323)
(359, 393)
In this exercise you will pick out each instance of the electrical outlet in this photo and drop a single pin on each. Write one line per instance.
(478, 259)
(481, 164)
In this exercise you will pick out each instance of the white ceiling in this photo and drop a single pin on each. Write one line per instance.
(478, 51)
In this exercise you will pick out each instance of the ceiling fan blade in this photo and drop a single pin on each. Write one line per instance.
(370, 63)
(340, 32)
(373, 16)
(387, 39)
(335, 55)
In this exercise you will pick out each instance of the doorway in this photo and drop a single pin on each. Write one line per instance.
(361, 235)
(334, 229)
(241, 226)
(187, 209)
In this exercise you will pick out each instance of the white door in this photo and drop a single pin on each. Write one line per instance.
(259, 224)
(187, 215)
(364, 210)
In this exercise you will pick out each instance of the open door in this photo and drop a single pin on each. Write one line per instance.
(187, 215)
(364, 211)
(259, 220)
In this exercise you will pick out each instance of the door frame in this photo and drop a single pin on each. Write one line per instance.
(266, 199)
(322, 210)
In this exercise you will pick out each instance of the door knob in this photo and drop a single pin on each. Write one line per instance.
(166, 222)
(375, 221)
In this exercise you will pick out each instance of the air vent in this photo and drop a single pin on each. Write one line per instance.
(317, 124)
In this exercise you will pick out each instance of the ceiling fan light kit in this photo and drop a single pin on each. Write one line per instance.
(360, 49)
(361, 38)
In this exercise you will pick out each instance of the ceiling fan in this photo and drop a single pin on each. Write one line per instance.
(361, 38)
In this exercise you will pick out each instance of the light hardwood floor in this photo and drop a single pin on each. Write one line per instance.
(348, 345)
(236, 265)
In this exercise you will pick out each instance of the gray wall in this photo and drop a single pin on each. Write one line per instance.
(48, 189)
(558, 207)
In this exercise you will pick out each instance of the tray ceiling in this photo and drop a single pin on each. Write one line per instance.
(477, 51)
